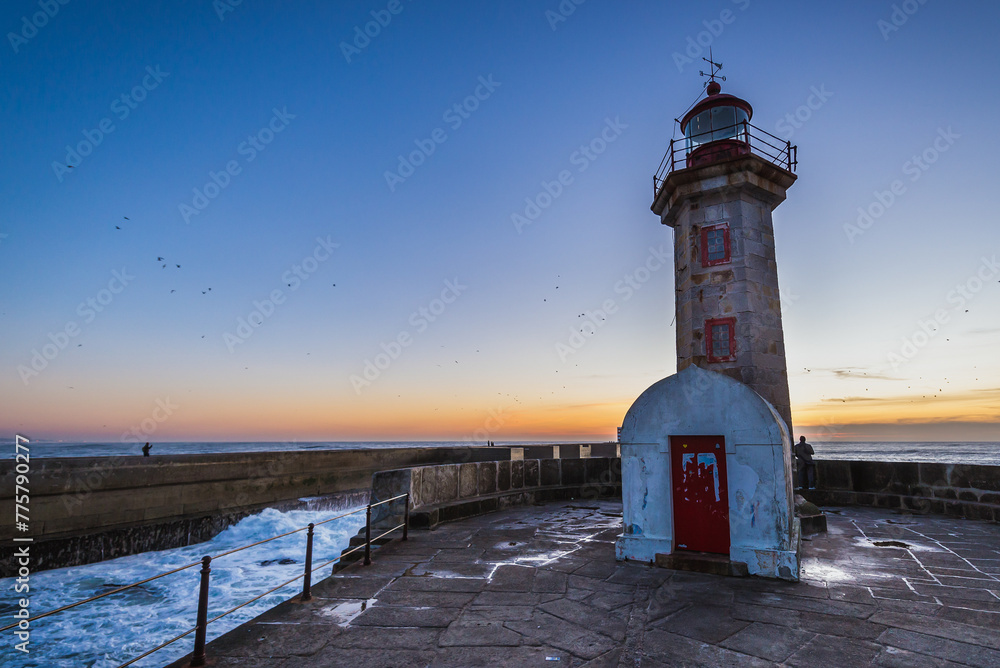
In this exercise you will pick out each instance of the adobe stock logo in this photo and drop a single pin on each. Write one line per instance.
(915, 168)
(293, 278)
(419, 320)
(454, 116)
(363, 36)
(38, 20)
(60, 339)
(122, 106)
(250, 148)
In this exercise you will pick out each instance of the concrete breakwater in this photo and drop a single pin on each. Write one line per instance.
(85, 510)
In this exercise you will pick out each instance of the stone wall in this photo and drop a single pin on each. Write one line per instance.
(453, 491)
(959, 490)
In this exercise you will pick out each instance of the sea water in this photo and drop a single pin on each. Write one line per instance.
(980, 453)
(983, 453)
(117, 628)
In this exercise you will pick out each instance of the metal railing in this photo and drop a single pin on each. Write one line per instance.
(754, 140)
(201, 624)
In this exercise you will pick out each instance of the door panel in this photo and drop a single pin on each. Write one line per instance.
(700, 493)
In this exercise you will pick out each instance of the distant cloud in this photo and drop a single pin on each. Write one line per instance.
(854, 399)
(859, 373)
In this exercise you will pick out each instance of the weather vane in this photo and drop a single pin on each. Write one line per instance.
(714, 69)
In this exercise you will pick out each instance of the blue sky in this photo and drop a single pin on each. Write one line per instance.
(850, 301)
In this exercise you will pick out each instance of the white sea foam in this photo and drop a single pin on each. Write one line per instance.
(110, 631)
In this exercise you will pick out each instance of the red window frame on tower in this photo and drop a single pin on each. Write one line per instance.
(710, 324)
(727, 257)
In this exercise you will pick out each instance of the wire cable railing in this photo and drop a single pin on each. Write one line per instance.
(202, 622)
(741, 138)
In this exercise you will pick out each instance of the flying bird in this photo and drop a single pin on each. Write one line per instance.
(117, 228)
(159, 259)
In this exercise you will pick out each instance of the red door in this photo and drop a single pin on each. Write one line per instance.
(701, 501)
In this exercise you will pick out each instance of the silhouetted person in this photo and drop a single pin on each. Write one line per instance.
(807, 469)
(145, 449)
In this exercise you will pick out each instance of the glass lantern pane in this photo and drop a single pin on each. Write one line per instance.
(697, 127)
(723, 120)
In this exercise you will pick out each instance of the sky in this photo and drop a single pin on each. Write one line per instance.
(374, 243)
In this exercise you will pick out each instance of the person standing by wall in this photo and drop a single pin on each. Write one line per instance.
(804, 459)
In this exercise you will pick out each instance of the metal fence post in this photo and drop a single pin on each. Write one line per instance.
(368, 535)
(198, 658)
(406, 516)
(307, 579)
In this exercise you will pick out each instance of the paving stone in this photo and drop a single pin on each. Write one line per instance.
(892, 657)
(388, 615)
(768, 641)
(596, 584)
(511, 598)
(512, 579)
(826, 607)
(353, 586)
(936, 626)
(253, 662)
(452, 570)
(588, 617)
(824, 651)
(580, 594)
(551, 582)
(479, 633)
(596, 568)
(974, 617)
(669, 649)
(273, 640)
(609, 600)
(439, 584)
(707, 623)
(492, 657)
(332, 657)
(809, 621)
(941, 648)
(553, 631)
(850, 593)
(425, 599)
(635, 574)
(375, 637)
(502, 613)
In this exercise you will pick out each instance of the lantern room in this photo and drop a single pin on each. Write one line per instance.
(717, 127)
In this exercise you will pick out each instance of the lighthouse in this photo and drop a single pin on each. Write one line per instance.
(706, 452)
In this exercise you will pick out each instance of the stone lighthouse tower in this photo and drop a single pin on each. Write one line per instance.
(706, 453)
(717, 188)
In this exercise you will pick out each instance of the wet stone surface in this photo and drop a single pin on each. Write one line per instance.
(539, 586)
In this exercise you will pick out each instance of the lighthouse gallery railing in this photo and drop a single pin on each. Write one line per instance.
(777, 151)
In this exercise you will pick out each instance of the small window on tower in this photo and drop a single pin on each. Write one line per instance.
(715, 245)
(720, 339)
